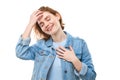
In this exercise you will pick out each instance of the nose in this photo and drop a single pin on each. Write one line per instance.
(46, 24)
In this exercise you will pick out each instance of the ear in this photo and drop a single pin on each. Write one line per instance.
(58, 16)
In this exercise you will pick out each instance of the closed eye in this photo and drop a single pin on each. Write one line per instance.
(47, 18)
(41, 24)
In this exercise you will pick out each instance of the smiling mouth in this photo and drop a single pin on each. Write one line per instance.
(50, 27)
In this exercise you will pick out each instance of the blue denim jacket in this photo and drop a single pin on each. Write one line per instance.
(43, 54)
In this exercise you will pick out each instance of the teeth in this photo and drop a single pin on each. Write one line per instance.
(50, 27)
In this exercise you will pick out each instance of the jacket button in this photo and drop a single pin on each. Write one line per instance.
(41, 79)
(65, 71)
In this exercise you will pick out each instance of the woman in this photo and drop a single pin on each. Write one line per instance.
(57, 55)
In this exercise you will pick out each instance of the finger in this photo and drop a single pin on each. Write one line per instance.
(35, 12)
(62, 48)
(59, 54)
(71, 48)
(39, 13)
(61, 57)
(40, 17)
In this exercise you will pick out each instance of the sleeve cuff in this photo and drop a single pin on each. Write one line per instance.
(82, 71)
(25, 41)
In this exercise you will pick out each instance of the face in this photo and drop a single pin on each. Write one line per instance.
(49, 23)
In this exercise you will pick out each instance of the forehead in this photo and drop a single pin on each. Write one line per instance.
(44, 15)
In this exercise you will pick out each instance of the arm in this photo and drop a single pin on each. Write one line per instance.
(87, 71)
(23, 50)
(83, 67)
(33, 19)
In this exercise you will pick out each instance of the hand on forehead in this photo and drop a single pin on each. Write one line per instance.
(42, 14)
(39, 14)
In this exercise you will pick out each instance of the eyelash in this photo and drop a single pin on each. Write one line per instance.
(42, 24)
(47, 18)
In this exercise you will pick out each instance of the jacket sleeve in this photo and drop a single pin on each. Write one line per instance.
(87, 72)
(23, 50)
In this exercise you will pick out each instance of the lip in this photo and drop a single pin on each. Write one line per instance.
(50, 27)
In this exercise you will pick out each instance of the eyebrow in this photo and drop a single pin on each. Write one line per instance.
(44, 18)
(47, 17)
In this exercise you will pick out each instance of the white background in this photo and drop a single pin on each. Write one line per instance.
(96, 21)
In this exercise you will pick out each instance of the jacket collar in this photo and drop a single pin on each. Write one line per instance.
(69, 41)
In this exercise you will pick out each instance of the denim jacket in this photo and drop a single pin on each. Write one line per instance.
(43, 54)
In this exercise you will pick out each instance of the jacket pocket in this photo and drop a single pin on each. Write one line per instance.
(41, 56)
(43, 53)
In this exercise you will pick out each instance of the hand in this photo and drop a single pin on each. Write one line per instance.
(34, 17)
(66, 54)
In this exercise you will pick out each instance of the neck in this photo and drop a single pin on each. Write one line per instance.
(59, 36)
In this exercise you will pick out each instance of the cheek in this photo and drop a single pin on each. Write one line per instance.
(43, 29)
(55, 21)
(58, 23)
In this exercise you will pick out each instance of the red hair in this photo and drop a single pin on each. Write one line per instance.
(38, 31)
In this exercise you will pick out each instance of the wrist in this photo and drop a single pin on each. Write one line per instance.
(30, 25)
(74, 60)
(77, 64)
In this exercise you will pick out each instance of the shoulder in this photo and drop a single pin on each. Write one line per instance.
(75, 40)
(78, 40)
(39, 43)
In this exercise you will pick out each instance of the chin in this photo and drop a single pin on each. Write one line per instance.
(52, 32)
